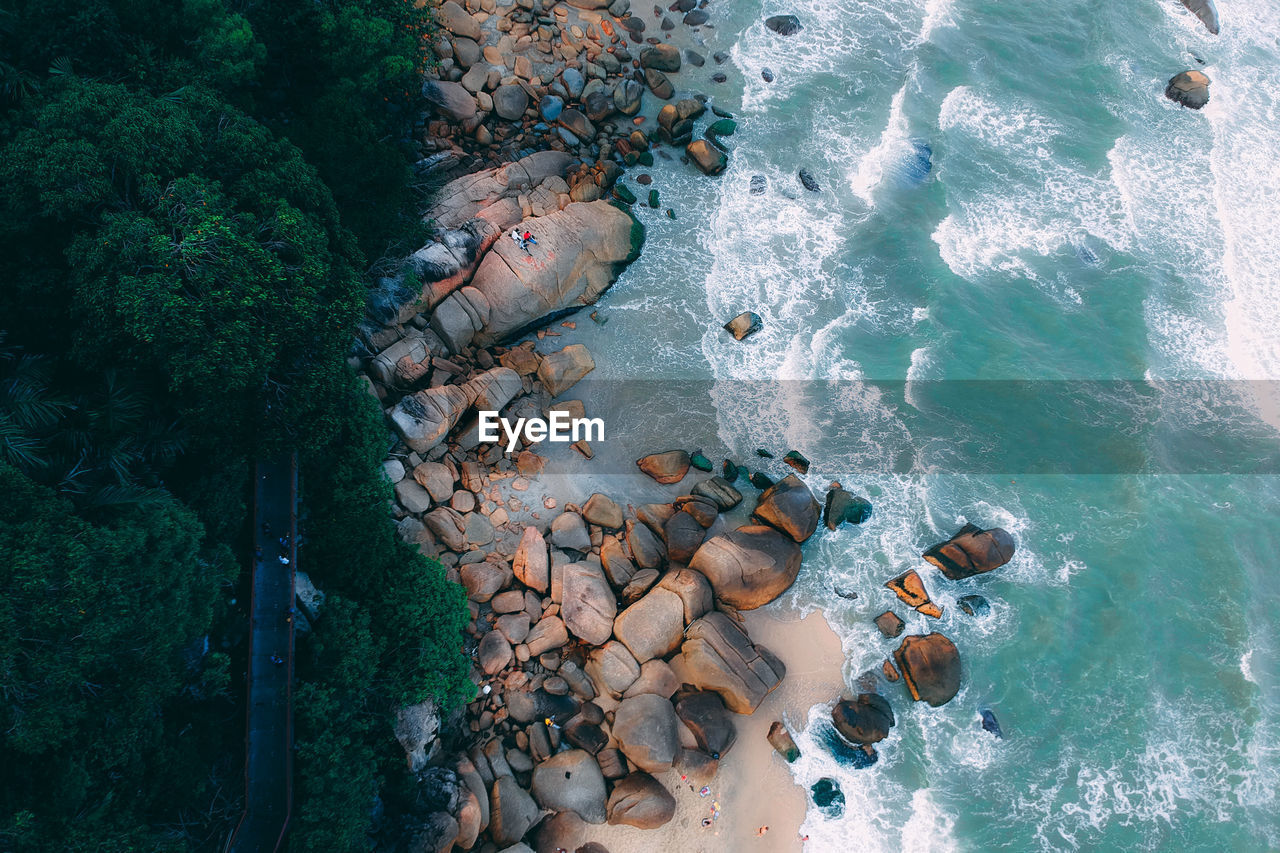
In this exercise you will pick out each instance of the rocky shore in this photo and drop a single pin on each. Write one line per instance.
(611, 656)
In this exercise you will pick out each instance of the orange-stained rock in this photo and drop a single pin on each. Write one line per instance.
(930, 665)
(972, 551)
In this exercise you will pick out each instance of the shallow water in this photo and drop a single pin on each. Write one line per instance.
(1072, 224)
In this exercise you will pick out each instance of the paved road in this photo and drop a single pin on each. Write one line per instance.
(269, 732)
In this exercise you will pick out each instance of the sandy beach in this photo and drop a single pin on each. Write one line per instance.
(754, 787)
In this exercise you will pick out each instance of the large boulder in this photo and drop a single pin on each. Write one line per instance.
(663, 57)
(708, 158)
(647, 731)
(748, 567)
(455, 19)
(561, 370)
(842, 506)
(972, 551)
(451, 99)
(512, 812)
(694, 590)
(531, 564)
(670, 466)
(416, 727)
(425, 418)
(646, 548)
(683, 534)
(473, 195)
(864, 720)
(571, 781)
(612, 668)
(718, 490)
(580, 252)
(494, 653)
(549, 633)
(569, 533)
(704, 714)
(510, 101)
(641, 801)
(587, 605)
(789, 506)
(1205, 11)
(652, 627)
(603, 511)
(1190, 88)
(930, 666)
(656, 676)
(720, 657)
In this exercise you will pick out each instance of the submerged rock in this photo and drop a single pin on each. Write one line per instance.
(974, 605)
(828, 797)
(707, 157)
(809, 181)
(784, 25)
(990, 723)
(758, 184)
(797, 460)
(1190, 88)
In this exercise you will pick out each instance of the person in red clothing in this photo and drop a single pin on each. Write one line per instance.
(529, 240)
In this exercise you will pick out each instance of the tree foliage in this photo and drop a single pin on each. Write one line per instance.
(193, 192)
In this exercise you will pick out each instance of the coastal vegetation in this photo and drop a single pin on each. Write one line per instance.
(195, 194)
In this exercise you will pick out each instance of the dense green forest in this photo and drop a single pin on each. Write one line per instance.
(194, 193)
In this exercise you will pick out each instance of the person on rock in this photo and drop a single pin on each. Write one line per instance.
(515, 235)
(529, 240)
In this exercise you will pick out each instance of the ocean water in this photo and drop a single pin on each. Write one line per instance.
(1005, 195)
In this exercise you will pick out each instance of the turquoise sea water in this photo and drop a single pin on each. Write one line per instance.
(1073, 225)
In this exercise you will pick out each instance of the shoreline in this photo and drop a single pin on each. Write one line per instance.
(509, 531)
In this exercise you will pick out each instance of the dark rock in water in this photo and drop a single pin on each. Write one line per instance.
(719, 128)
(828, 797)
(784, 25)
(645, 158)
(695, 18)
(644, 180)
(621, 193)
(763, 454)
(702, 463)
(766, 74)
(972, 551)
(1205, 11)
(744, 325)
(671, 214)
(915, 164)
(720, 57)
(694, 58)
(782, 741)
(718, 77)
(990, 723)
(864, 720)
(974, 605)
(684, 6)
(729, 472)
(855, 757)
(890, 624)
(847, 594)
(653, 199)
(796, 460)
(721, 113)
(1190, 88)
(930, 665)
(760, 481)
(809, 181)
(841, 507)
(667, 25)
(758, 184)
(1085, 252)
